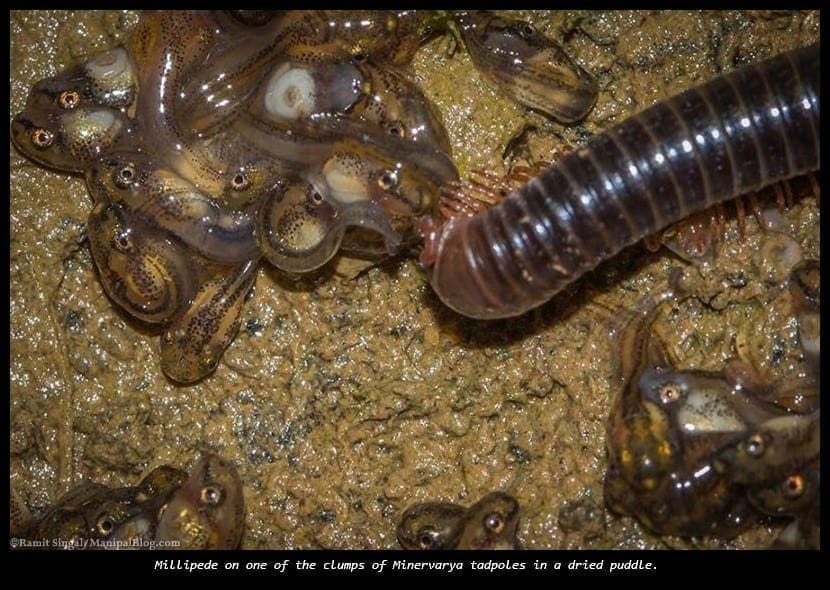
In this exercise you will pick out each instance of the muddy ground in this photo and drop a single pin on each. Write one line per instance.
(344, 400)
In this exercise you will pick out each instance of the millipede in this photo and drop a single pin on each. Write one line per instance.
(754, 126)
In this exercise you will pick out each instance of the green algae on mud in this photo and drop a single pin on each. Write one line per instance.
(342, 402)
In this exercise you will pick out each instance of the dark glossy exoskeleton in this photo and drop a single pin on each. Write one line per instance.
(751, 127)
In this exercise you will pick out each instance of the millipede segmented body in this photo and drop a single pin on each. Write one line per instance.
(751, 127)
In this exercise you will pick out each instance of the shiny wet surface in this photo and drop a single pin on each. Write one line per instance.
(343, 401)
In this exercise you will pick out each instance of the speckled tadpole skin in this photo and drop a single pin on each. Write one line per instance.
(342, 402)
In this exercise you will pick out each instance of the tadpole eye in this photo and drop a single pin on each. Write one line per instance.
(122, 240)
(794, 486)
(669, 393)
(317, 198)
(359, 56)
(211, 495)
(427, 538)
(755, 446)
(125, 176)
(207, 361)
(494, 522)
(105, 525)
(388, 180)
(397, 129)
(42, 138)
(240, 181)
(526, 30)
(69, 99)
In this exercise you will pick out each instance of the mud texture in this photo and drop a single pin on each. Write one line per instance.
(345, 400)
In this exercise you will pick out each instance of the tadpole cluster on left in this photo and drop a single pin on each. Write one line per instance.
(211, 139)
(214, 138)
